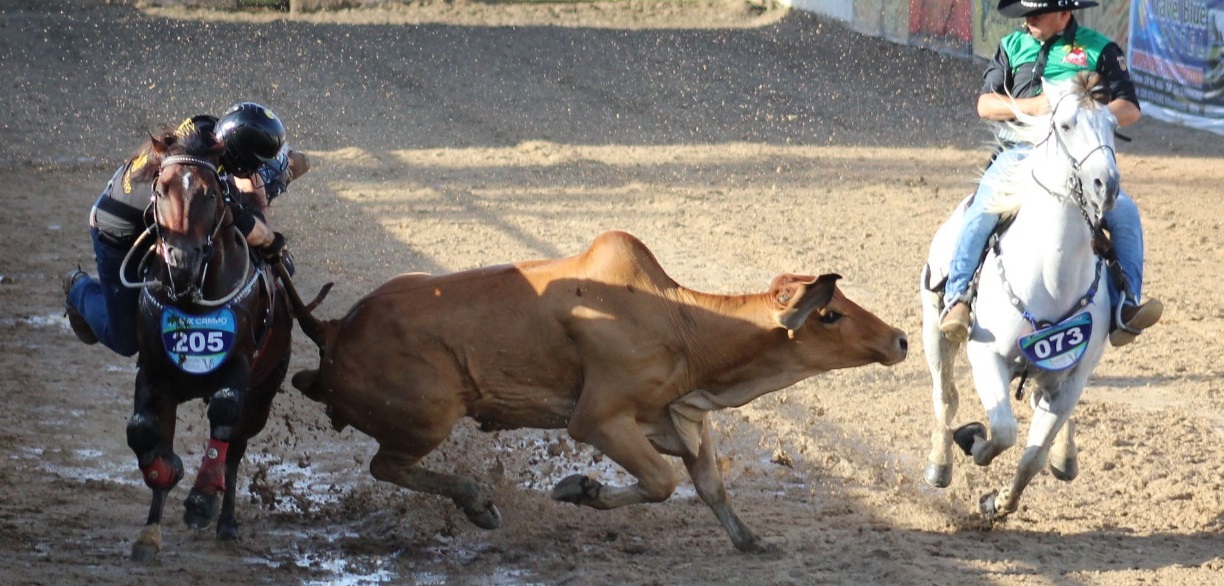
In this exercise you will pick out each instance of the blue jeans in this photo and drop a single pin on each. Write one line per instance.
(1122, 221)
(108, 306)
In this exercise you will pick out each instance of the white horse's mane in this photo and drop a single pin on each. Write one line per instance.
(1012, 188)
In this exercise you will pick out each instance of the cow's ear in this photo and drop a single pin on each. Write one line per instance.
(797, 296)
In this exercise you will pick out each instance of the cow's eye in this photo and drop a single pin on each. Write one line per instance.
(830, 317)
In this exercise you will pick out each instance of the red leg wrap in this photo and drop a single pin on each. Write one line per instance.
(159, 475)
(211, 479)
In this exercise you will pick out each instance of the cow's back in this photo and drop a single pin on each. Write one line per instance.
(509, 345)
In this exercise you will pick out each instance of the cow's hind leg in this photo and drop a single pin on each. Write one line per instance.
(404, 469)
(621, 439)
(703, 469)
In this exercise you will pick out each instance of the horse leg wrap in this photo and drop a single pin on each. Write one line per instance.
(163, 473)
(224, 410)
(211, 479)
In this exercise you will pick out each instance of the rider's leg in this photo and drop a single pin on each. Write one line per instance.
(106, 304)
(1126, 235)
(975, 231)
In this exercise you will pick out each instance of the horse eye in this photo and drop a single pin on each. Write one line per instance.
(1065, 126)
(830, 317)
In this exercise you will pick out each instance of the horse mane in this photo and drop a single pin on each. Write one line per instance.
(1092, 94)
(182, 139)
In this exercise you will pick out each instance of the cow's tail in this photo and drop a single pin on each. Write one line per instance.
(311, 326)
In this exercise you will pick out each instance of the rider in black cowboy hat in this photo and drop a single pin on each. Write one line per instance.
(256, 161)
(1050, 45)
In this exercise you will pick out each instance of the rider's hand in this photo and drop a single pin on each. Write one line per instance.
(275, 248)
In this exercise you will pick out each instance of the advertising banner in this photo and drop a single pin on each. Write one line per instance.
(1175, 60)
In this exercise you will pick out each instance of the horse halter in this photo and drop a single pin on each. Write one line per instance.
(1075, 185)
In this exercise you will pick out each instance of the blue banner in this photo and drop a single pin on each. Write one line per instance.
(1176, 62)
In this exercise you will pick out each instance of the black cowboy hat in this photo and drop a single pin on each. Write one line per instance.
(1021, 8)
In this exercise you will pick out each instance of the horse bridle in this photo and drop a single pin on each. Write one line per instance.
(1075, 186)
(193, 293)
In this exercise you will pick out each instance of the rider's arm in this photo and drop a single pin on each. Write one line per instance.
(995, 101)
(1125, 111)
(1112, 66)
(1002, 107)
(253, 227)
(252, 190)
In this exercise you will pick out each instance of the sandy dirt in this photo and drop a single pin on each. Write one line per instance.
(737, 142)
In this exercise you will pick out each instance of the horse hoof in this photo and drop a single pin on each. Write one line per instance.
(988, 505)
(148, 544)
(965, 434)
(200, 509)
(757, 546)
(485, 517)
(938, 476)
(577, 489)
(1065, 470)
(227, 532)
(144, 552)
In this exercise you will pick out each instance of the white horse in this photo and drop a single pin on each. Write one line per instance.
(1042, 309)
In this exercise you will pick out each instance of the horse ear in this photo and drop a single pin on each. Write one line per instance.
(158, 145)
(797, 296)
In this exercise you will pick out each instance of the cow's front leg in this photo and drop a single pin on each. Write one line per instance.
(707, 479)
(621, 439)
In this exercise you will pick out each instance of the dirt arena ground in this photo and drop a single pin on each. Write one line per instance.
(737, 142)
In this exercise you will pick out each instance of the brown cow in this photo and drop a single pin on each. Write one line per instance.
(603, 344)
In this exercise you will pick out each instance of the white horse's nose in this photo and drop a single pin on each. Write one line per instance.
(1107, 188)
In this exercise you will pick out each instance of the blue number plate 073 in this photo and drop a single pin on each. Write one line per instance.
(198, 344)
(1059, 346)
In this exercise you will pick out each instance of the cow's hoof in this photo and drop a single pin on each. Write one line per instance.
(965, 435)
(577, 489)
(199, 509)
(938, 476)
(485, 516)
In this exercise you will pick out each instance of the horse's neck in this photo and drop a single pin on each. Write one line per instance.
(1047, 251)
(229, 262)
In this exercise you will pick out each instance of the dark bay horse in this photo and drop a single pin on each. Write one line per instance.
(213, 324)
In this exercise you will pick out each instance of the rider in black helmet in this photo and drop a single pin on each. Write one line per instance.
(257, 164)
(255, 152)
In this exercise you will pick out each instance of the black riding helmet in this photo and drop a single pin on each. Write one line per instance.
(252, 134)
